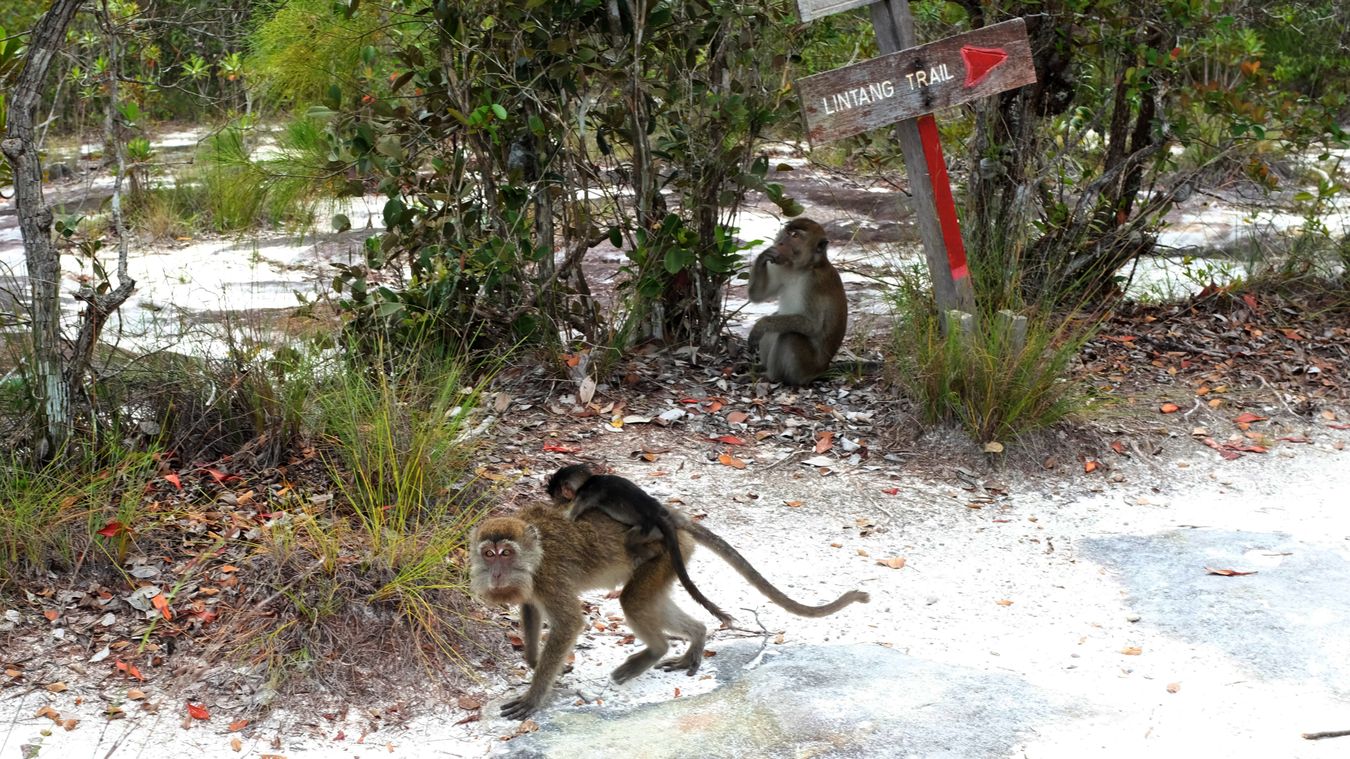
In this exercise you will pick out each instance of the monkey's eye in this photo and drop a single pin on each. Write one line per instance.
(504, 552)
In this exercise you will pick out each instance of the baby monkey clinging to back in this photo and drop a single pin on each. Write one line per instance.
(623, 501)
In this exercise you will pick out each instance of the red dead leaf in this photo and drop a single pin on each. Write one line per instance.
(736, 417)
(891, 491)
(113, 529)
(731, 461)
(130, 669)
(1228, 572)
(1169, 408)
(713, 406)
(559, 448)
(1339, 426)
(729, 440)
(1224, 451)
(1247, 418)
(162, 603)
(238, 725)
(1089, 466)
(197, 711)
(172, 479)
(824, 441)
(51, 614)
(1118, 447)
(793, 504)
(220, 477)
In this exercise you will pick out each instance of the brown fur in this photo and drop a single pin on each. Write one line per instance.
(797, 343)
(648, 520)
(553, 559)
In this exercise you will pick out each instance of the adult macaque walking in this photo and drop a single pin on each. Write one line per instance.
(542, 561)
(797, 343)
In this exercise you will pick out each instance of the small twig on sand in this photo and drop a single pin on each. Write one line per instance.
(763, 641)
(1326, 734)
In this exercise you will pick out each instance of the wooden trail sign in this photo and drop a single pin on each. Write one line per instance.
(905, 85)
(913, 82)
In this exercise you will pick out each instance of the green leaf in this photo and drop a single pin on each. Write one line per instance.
(499, 111)
(334, 98)
(341, 223)
(389, 308)
(677, 259)
(616, 237)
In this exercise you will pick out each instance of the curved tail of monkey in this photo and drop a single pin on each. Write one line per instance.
(672, 542)
(730, 555)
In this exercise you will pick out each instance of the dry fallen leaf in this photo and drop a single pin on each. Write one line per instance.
(993, 446)
(469, 703)
(1228, 572)
(1248, 417)
(737, 417)
(1173, 687)
(135, 694)
(130, 669)
(1089, 466)
(197, 711)
(238, 725)
(824, 441)
(56, 687)
(162, 603)
(793, 504)
(731, 461)
(1004, 602)
(895, 563)
(236, 745)
(1132, 650)
(1169, 408)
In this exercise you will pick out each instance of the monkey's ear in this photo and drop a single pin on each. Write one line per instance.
(821, 246)
(532, 533)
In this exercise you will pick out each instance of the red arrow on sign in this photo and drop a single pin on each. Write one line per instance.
(980, 61)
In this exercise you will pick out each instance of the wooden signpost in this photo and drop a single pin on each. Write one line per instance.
(906, 85)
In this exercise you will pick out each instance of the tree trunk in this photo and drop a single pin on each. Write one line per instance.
(35, 222)
(101, 299)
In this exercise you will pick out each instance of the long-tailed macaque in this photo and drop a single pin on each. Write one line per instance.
(797, 343)
(542, 561)
(625, 502)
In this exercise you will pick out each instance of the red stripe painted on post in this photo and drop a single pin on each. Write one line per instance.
(942, 197)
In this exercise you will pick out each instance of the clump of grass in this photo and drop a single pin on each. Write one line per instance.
(227, 189)
(982, 380)
(382, 550)
(50, 516)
